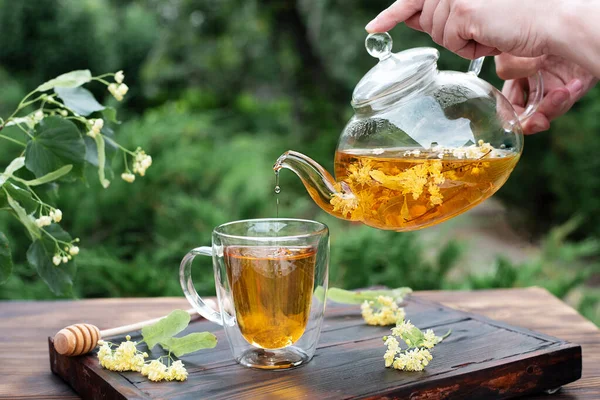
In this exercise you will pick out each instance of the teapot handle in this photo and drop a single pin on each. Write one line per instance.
(475, 68)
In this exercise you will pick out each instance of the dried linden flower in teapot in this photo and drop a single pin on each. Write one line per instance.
(371, 184)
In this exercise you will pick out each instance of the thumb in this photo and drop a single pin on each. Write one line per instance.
(398, 12)
(510, 67)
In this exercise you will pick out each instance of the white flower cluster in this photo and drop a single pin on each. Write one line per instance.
(125, 358)
(412, 360)
(415, 153)
(61, 256)
(128, 177)
(65, 256)
(119, 77)
(157, 371)
(417, 355)
(96, 126)
(45, 220)
(382, 311)
(141, 162)
(118, 89)
(474, 151)
(128, 358)
(38, 116)
(57, 259)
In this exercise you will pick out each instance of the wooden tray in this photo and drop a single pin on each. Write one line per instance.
(482, 359)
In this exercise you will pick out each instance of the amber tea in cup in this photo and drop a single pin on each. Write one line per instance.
(272, 289)
(271, 278)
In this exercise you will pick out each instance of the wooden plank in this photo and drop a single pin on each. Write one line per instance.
(537, 309)
(482, 359)
(25, 325)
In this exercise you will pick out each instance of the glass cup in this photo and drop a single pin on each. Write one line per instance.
(271, 280)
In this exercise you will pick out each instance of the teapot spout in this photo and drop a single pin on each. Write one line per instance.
(319, 183)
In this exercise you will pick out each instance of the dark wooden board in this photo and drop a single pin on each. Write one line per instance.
(482, 359)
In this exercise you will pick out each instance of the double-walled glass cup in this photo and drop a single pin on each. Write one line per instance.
(271, 281)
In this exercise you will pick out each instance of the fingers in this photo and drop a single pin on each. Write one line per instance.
(440, 19)
(413, 22)
(458, 37)
(538, 122)
(472, 50)
(554, 104)
(398, 12)
(433, 17)
(511, 67)
(514, 91)
(426, 20)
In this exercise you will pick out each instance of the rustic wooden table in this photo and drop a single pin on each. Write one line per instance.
(25, 327)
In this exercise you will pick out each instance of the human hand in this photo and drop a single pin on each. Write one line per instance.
(475, 28)
(564, 84)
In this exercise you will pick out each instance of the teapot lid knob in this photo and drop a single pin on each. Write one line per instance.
(379, 45)
(393, 71)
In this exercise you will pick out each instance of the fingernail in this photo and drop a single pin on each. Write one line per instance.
(537, 127)
(371, 24)
(559, 98)
(575, 86)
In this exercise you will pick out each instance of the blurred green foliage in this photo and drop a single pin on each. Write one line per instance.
(560, 267)
(219, 89)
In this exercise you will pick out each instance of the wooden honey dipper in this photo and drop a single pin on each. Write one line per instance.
(78, 339)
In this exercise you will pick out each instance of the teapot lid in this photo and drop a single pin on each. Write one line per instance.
(394, 71)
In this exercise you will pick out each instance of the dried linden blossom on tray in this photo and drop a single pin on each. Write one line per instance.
(384, 311)
(126, 357)
(417, 354)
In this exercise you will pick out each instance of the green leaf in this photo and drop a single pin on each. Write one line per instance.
(358, 297)
(14, 165)
(167, 327)
(343, 296)
(69, 80)
(6, 264)
(99, 139)
(110, 114)
(79, 99)
(56, 143)
(414, 337)
(21, 195)
(319, 293)
(189, 343)
(110, 148)
(59, 278)
(52, 176)
(25, 219)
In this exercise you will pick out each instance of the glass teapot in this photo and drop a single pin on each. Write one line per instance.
(423, 146)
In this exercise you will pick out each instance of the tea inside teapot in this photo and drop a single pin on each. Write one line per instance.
(403, 189)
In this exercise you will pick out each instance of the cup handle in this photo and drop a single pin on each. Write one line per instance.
(475, 68)
(185, 278)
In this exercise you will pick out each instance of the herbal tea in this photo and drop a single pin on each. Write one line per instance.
(405, 190)
(272, 291)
